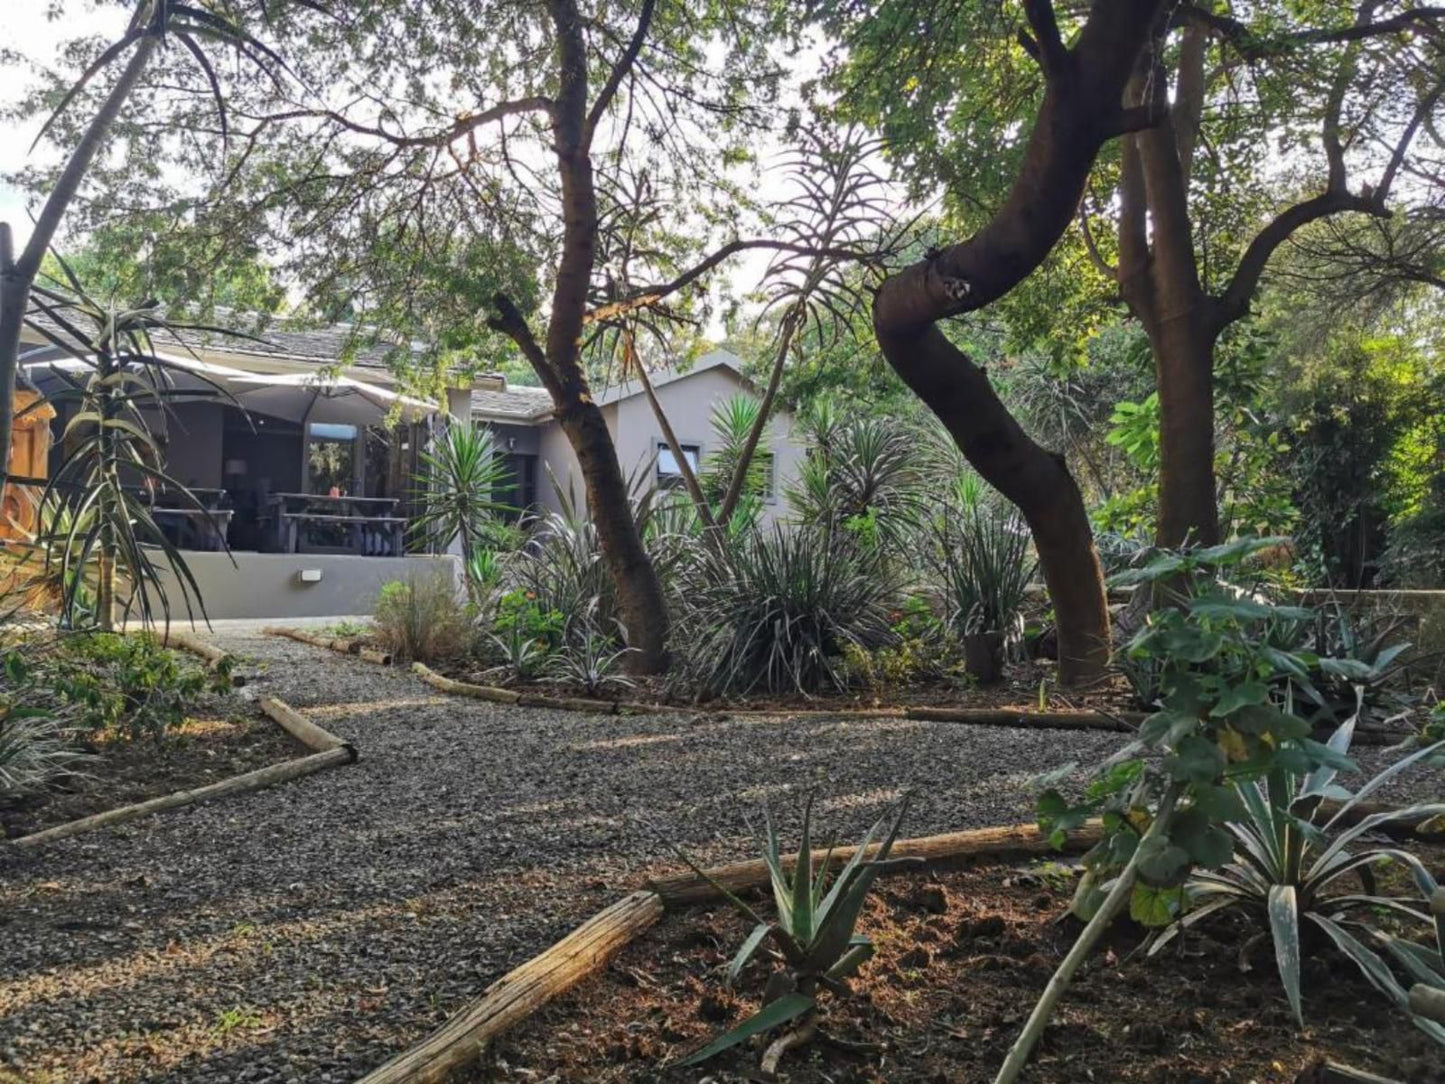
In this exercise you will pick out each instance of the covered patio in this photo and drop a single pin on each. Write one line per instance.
(281, 462)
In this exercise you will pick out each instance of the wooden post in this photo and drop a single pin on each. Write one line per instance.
(302, 728)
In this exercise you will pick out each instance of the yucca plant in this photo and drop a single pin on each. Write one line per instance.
(813, 935)
(863, 474)
(1287, 869)
(776, 609)
(97, 516)
(460, 473)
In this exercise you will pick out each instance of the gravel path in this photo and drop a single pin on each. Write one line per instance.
(308, 932)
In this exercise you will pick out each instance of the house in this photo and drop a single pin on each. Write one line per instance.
(533, 440)
(305, 454)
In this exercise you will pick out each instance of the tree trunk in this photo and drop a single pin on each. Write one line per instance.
(1184, 368)
(1036, 480)
(1083, 107)
(640, 601)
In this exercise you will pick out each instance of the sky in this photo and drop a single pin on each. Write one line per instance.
(25, 28)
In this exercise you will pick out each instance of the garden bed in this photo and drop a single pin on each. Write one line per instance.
(962, 955)
(123, 772)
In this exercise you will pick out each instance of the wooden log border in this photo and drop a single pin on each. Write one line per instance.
(341, 645)
(524, 990)
(327, 750)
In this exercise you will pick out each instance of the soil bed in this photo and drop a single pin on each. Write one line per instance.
(962, 956)
(120, 772)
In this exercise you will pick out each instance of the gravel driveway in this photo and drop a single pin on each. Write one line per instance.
(308, 932)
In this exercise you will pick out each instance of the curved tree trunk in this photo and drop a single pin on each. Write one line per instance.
(1035, 480)
(1083, 107)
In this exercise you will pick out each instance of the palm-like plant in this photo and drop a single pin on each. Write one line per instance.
(94, 516)
(813, 932)
(864, 474)
(982, 561)
(462, 472)
(1286, 869)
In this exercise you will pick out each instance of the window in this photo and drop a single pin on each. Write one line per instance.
(767, 466)
(668, 472)
(331, 458)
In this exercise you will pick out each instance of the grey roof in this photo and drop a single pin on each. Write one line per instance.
(512, 403)
(713, 359)
(321, 346)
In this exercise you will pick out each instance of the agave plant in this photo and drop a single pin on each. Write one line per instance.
(814, 934)
(864, 474)
(1287, 869)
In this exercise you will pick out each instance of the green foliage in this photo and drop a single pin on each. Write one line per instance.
(1288, 860)
(461, 471)
(814, 929)
(34, 742)
(981, 560)
(863, 475)
(1135, 431)
(775, 610)
(97, 535)
(124, 685)
(423, 618)
(1223, 717)
(589, 657)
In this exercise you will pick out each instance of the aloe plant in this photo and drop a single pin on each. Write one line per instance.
(814, 932)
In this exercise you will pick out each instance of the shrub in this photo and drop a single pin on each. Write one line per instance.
(423, 618)
(125, 684)
(864, 476)
(775, 611)
(1285, 862)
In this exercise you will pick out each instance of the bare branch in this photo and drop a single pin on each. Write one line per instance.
(1251, 45)
(1050, 52)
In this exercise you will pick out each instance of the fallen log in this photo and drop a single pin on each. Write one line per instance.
(303, 729)
(261, 777)
(464, 688)
(339, 644)
(1017, 717)
(521, 992)
(1428, 1001)
(689, 888)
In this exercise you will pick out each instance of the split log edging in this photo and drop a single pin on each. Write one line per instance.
(327, 750)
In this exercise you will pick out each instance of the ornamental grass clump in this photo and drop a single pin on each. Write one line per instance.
(813, 936)
(776, 610)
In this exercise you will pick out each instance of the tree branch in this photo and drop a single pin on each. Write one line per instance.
(619, 70)
(1233, 304)
(1049, 51)
(464, 125)
(1251, 46)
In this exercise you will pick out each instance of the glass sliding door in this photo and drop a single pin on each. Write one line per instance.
(333, 459)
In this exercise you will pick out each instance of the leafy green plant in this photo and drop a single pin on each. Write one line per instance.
(460, 473)
(775, 610)
(519, 611)
(813, 934)
(1224, 717)
(589, 657)
(523, 657)
(1346, 656)
(423, 618)
(1285, 860)
(128, 685)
